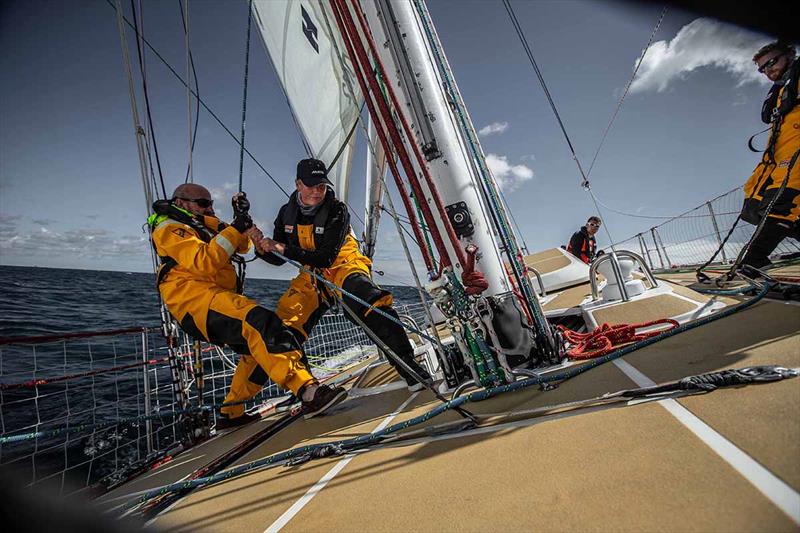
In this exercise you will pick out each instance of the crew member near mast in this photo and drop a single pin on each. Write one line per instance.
(583, 244)
(202, 291)
(777, 62)
(313, 228)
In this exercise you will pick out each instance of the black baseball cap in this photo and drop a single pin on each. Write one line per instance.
(312, 172)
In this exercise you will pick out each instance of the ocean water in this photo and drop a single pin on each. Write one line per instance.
(43, 301)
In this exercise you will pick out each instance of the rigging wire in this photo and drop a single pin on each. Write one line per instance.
(529, 53)
(190, 173)
(346, 141)
(625, 92)
(145, 92)
(202, 102)
(143, 75)
(138, 131)
(397, 217)
(244, 97)
(586, 185)
(196, 90)
(514, 220)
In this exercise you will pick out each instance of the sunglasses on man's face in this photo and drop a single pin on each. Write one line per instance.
(769, 64)
(202, 202)
(594, 224)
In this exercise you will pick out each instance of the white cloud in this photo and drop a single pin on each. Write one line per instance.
(493, 128)
(217, 194)
(89, 243)
(701, 43)
(508, 177)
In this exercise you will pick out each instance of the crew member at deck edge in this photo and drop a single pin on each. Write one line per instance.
(779, 163)
(582, 244)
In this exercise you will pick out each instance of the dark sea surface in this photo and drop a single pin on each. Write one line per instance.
(43, 301)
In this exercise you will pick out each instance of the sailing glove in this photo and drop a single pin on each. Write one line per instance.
(240, 203)
(242, 222)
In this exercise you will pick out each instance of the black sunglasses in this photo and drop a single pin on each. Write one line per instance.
(202, 202)
(769, 63)
(594, 224)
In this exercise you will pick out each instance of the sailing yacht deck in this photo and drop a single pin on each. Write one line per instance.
(650, 466)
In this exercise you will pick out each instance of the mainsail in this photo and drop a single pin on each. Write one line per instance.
(303, 50)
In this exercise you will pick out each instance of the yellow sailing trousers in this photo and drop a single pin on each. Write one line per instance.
(267, 348)
(301, 306)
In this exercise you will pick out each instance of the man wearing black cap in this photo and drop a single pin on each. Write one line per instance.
(313, 228)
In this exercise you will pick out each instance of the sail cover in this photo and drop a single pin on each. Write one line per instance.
(304, 46)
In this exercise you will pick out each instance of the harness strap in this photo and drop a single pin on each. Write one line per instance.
(292, 213)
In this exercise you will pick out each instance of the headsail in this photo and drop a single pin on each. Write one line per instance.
(304, 52)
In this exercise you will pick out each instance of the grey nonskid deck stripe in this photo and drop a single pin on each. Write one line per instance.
(284, 519)
(776, 490)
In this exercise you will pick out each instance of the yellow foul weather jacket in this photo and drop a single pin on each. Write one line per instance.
(196, 264)
(781, 156)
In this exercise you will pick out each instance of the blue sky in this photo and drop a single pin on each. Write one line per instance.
(70, 191)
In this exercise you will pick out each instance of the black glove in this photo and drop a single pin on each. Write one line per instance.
(242, 222)
(241, 205)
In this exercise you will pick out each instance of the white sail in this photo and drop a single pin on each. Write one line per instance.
(303, 50)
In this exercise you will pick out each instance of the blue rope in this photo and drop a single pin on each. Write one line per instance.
(726, 292)
(364, 440)
(366, 304)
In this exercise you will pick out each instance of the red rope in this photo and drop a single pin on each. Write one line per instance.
(605, 338)
(30, 384)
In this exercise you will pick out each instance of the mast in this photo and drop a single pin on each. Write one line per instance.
(418, 71)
